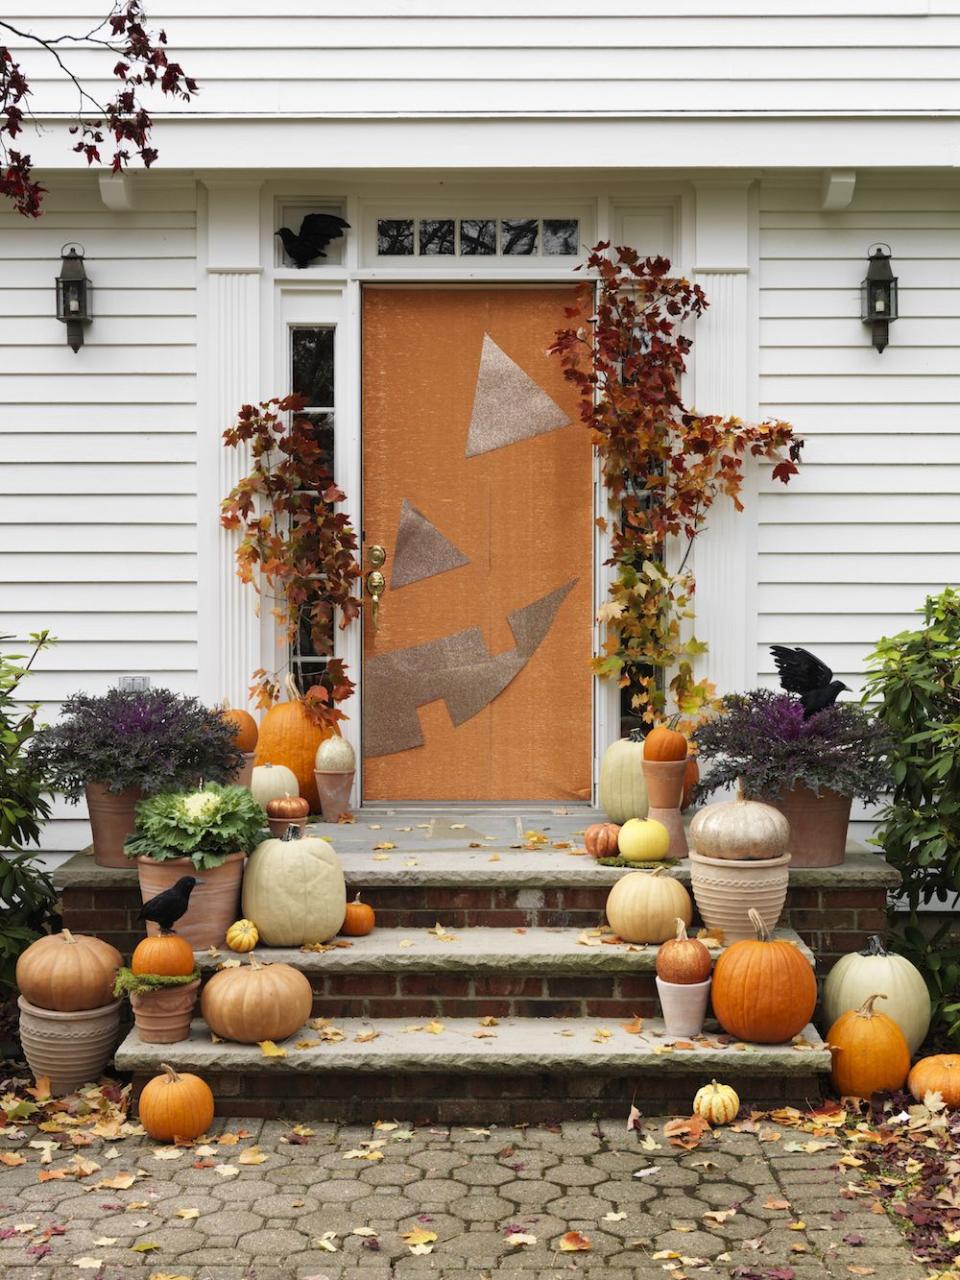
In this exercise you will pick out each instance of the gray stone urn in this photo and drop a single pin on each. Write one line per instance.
(71, 1049)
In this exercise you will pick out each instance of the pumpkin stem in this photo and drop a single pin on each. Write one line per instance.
(681, 930)
(254, 962)
(68, 936)
(172, 1076)
(875, 947)
(658, 870)
(867, 1010)
(293, 689)
(756, 919)
(741, 795)
(357, 898)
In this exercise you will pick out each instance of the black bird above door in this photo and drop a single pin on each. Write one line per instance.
(316, 232)
(803, 673)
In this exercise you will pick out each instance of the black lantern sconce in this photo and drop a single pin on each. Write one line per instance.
(73, 294)
(878, 294)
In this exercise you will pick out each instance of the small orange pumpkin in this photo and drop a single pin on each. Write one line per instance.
(764, 990)
(175, 1106)
(600, 839)
(359, 919)
(937, 1074)
(245, 730)
(167, 955)
(691, 777)
(870, 1053)
(289, 737)
(288, 806)
(683, 959)
(664, 743)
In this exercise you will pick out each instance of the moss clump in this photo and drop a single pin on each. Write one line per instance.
(129, 983)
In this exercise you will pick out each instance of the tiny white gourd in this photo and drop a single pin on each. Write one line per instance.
(294, 890)
(740, 829)
(273, 782)
(623, 791)
(335, 755)
(907, 1002)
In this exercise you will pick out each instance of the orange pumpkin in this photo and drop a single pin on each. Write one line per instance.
(691, 777)
(937, 1074)
(256, 1002)
(245, 731)
(175, 1106)
(683, 959)
(664, 743)
(288, 806)
(167, 955)
(359, 919)
(870, 1053)
(67, 972)
(289, 737)
(764, 990)
(600, 839)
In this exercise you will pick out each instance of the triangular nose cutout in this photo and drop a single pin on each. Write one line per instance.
(421, 551)
(508, 406)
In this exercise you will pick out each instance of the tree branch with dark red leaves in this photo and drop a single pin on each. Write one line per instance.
(293, 540)
(663, 466)
(142, 62)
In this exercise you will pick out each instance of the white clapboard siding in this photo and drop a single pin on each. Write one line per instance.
(98, 508)
(871, 526)
(760, 56)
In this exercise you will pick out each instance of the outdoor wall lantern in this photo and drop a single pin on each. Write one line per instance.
(73, 294)
(878, 294)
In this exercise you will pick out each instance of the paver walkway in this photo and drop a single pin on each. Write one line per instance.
(324, 1205)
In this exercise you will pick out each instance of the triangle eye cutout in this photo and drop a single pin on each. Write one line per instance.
(421, 551)
(508, 406)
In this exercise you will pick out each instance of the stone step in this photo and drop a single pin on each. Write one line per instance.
(400, 973)
(520, 1068)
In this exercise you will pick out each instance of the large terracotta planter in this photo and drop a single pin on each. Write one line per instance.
(818, 825)
(163, 1016)
(112, 819)
(214, 903)
(725, 889)
(664, 779)
(684, 1006)
(244, 776)
(334, 787)
(70, 1048)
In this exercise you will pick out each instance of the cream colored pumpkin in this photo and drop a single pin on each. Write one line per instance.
(716, 1103)
(623, 791)
(740, 829)
(644, 906)
(855, 977)
(272, 782)
(294, 891)
(335, 755)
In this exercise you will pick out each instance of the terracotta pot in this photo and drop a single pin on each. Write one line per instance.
(725, 889)
(664, 779)
(112, 819)
(163, 1016)
(334, 789)
(245, 775)
(684, 1006)
(214, 903)
(72, 1049)
(818, 825)
(278, 826)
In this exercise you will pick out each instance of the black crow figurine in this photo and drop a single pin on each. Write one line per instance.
(804, 673)
(316, 232)
(167, 907)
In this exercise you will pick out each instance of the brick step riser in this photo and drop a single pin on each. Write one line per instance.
(479, 1099)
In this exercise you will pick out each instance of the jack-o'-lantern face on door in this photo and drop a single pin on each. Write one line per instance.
(478, 483)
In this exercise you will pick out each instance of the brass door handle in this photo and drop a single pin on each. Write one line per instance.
(376, 583)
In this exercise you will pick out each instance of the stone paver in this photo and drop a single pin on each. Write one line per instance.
(273, 1221)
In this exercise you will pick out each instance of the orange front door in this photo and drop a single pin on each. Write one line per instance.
(477, 481)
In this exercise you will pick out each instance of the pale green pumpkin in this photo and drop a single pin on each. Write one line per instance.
(856, 976)
(294, 891)
(623, 792)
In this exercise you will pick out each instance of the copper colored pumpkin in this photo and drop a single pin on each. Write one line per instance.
(66, 972)
(691, 776)
(176, 1106)
(764, 990)
(256, 1002)
(289, 737)
(167, 955)
(937, 1074)
(869, 1051)
(682, 959)
(600, 839)
(287, 806)
(245, 730)
(663, 743)
(359, 919)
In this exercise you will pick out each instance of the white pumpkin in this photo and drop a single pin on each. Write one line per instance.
(623, 792)
(644, 906)
(335, 755)
(862, 973)
(273, 782)
(294, 891)
(740, 829)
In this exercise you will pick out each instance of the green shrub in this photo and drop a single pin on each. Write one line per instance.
(915, 677)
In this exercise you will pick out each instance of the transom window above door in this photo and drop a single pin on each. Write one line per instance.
(477, 235)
